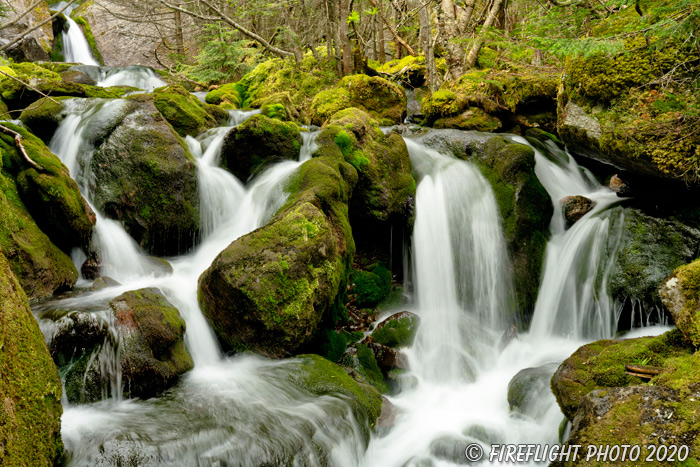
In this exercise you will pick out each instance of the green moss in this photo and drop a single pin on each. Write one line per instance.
(336, 342)
(31, 390)
(397, 332)
(370, 288)
(369, 367)
(87, 31)
(227, 95)
(183, 110)
(321, 377)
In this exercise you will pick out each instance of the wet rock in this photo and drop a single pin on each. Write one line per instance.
(398, 330)
(153, 353)
(388, 416)
(451, 449)
(77, 334)
(508, 336)
(185, 112)
(30, 432)
(257, 143)
(78, 77)
(387, 358)
(145, 178)
(528, 387)
(680, 294)
(473, 118)
(104, 282)
(619, 186)
(268, 290)
(575, 207)
(90, 269)
(321, 377)
(35, 46)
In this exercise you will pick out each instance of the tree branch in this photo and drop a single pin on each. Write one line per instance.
(21, 15)
(18, 142)
(29, 31)
(392, 30)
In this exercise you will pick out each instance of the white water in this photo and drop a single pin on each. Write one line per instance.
(75, 47)
(573, 300)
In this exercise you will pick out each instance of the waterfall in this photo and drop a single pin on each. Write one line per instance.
(75, 47)
(573, 299)
(461, 270)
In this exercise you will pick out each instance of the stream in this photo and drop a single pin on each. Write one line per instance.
(241, 410)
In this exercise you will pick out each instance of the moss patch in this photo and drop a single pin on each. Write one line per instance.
(183, 110)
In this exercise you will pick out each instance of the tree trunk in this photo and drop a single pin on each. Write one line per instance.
(343, 39)
(380, 39)
(179, 39)
(455, 61)
(479, 41)
(427, 44)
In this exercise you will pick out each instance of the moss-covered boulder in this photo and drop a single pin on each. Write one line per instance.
(525, 208)
(609, 406)
(322, 377)
(370, 288)
(257, 143)
(227, 96)
(152, 347)
(145, 177)
(680, 294)
(41, 267)
(51, 196)
(408, 71)
(528, 387)
(184, 111)
(485, 100)
(18, 96)
(30, 415)
(269, 290)
(278, 105)
(43, 116)
(649, 250)
(385, 192)
(380, 98)
(615, 109)
(398, 330)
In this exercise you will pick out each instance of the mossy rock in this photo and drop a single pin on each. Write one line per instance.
(380, 98)
(372, 287)
(322, 377)
(40, 266)
(680, 294)
(51, 195)
(650, 249)
(228, 96)
(525, 208)
(361, 358)
(30, 418)
(145, 177)
(527, 387)
(473, 118)
(278, 105)
(257, 143)
(183, 110)
(385, 193)
(43, 116)
(153, 353)
(398, 330)
(601, 364)
(269, 290)
(409, 70)
(18, 96)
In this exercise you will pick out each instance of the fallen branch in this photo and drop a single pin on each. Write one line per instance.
(392, 30)
(30, 87)
(646, 372)
(20, 146)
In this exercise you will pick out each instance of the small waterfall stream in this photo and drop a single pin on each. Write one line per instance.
(75, 47)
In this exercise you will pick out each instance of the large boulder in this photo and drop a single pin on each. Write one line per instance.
(383, 200)
(269, 290)
(137, 349)
(259, 141)
(613, 108)
(680, 294)
(380, 98)
(30, 414)
(18, 96)
(525, 208)
(145, 177)
(646, 251)
(50, 194)
(40, 266)
(185, 112)
(153, 353)
(35, 46)
(398, 330)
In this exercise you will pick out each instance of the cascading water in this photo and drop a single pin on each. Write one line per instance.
(573, 300)
(75, 47)
(241, 410)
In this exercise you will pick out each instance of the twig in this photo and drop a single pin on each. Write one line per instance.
(21, 15)
(30, 87)
(177, 75)
(28, 31)
(18, 142)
